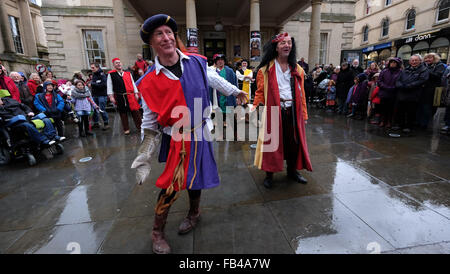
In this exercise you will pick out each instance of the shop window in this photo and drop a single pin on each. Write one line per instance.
(441, 47)
(94, 47)
(404, 52)
(373, 57)
(17, 39)
(384, 54)
(421, 48)
(385, 28)
(443, 11)
(366, 34)
(411, 20)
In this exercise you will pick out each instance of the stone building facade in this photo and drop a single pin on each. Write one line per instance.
(83, 31)
(336, 30)
(23, 41)
(385, 28)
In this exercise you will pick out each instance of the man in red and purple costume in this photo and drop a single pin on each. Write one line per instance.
(177, 106)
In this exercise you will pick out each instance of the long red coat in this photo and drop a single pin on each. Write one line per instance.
(269, 154)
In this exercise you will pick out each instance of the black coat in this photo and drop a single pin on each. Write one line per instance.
(411, 83)
(436, 71)
(99, 83)
(345, 81)
(11, 108)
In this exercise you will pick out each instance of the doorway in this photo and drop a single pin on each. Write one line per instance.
(213, 46)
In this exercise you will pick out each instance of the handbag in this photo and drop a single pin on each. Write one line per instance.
(439, 95)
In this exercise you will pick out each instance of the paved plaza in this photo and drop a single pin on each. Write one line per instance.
(368, 193)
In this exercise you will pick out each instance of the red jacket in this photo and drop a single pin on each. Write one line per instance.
(32, 86)
(375, 98)
(12, 88)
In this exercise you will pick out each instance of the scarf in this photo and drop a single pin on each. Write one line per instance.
(80, 94)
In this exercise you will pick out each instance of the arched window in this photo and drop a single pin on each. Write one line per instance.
(443, 11)
(385, 28)
(366, 34)
(411, 20)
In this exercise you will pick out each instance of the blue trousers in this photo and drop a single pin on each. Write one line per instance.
(101, 102)
(32, 132)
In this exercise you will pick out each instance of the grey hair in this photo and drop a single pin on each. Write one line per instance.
(14, 73)
(418, 56)
(436, 57)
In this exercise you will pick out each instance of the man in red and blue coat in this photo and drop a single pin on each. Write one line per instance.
(177, 106)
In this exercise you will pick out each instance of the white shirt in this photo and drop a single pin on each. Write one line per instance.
(241, 76)
(284, 84)
(109, 84)
(214, 80)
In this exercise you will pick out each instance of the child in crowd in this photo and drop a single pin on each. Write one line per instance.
(373, 112)
(51, 104)
(81, 98)
(358, 97)
(331, 96)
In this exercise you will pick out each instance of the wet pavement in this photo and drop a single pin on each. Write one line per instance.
(368, 193)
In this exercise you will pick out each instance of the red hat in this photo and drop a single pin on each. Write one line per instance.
(115, 59)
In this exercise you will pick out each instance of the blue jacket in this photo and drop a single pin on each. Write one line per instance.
(42, 105)
(230, 77)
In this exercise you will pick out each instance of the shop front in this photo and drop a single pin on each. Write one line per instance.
(436, 41)
(376, 53)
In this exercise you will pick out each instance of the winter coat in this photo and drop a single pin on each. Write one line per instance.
(331, 93)
(32, 86)
(99, 83)
(436, 71)
(411, 83)
(361, 91)
(11, 108)
(25, 95)
(225, 101)
(82, 100)
(42, 105)
(356, 71)
(387, 79)
(345, 81)
(11, 86)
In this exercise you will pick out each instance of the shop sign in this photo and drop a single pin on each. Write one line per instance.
(419, 37)
(380, 46)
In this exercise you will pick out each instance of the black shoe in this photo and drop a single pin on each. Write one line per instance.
(268, 182)
(297, 177)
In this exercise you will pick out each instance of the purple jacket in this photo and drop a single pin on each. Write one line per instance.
(387, 80)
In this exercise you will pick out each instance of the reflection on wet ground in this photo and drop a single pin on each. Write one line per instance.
(368, 193)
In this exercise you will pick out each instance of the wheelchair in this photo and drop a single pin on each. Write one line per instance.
(15, 144)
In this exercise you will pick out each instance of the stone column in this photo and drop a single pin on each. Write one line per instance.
(120, 33)
(255, 33)
(314, 33)
(191, 27)
(27, 23)
(5, 29)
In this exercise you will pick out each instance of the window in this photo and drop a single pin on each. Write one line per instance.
(387, 2)
(411, 20)
(368, 7)
(95, 49)
(14, 23)
(366, 34)
(443, 10)
(385, 28)
(323, 48)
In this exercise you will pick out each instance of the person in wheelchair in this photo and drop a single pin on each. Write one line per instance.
(13, 115)
(52, 105)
